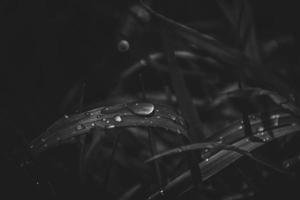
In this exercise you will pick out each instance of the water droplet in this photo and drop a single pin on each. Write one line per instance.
(240, 127)
(123, 45)
(118, 118)
(93, 124)
(107, 121)
(142, 108)
(178, 131)
(158, 117)
(260, 129)
(276, 123)
(79, 127)
(66, 116)
(31, 146)
(173, 117)
(162, 192)
(45, 145)
(205, 150)
(179, 150)
(43, 140)
(206, 160)
(88, 114)
(58, 138)
(111, 126)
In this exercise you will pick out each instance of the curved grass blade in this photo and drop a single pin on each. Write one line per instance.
(223, 158)
(142, 114)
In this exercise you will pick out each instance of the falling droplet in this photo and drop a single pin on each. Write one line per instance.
(79, 127)
(143, 109)
(118, 118)
(111, 126)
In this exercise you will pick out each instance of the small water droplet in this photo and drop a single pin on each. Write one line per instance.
(206, 160)
(31, 146)
(178, 131)
(179, 150)
(107, 121)
(118, 118)
(158, 117)
(111, 126)
(37, 182)
(58, 138)
(123, 45)
(93, 124)
(43, 140)
(45, 145)
(205, 150)
(66, 116)
(142, 108)
(173, 117)
(260, 129)
(162, 192)
(79, 127)
(240, 127)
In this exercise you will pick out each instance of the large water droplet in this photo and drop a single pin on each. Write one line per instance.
(118, 118)
(142, 108)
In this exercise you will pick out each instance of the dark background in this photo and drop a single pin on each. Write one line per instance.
(47, 46)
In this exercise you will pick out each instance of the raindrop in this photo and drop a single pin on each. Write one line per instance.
(143, 109)
(111, 126)
(260, 129)
(79, 127)
(123, 45)
(118, 118)
(162, 192)
(173, 118)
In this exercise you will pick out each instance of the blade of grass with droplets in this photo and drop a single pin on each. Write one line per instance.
(142, 114)
(224, 158)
